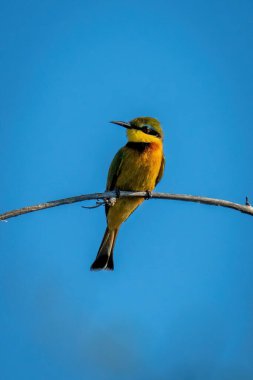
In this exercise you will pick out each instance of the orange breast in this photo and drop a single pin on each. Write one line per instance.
(140, 168)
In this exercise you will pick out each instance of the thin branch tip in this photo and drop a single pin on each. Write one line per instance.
(247, 203)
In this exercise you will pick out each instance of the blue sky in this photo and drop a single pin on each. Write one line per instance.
(179, 303)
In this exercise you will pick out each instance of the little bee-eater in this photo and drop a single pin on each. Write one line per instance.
(138, 166)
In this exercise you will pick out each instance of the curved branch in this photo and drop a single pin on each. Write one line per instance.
(247, 208)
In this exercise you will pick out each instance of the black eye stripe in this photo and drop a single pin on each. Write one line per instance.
(146, 129)
(150, 131)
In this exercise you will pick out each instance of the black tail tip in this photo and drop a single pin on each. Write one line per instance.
(102, 263)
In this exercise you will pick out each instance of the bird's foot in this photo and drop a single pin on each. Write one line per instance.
(117, 193)
(148, 194)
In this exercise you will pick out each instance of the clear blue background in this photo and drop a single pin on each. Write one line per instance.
(179, 304)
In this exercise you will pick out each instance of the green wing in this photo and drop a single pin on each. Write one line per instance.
(160, 174)
(114, 170)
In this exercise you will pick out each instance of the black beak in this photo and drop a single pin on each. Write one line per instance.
(122, 123)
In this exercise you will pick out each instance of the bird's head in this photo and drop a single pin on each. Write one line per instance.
(142, 129)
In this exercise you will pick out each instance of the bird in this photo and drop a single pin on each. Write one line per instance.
(138, 166)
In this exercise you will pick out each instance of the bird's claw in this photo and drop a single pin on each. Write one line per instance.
(117, 193)
(148, 194)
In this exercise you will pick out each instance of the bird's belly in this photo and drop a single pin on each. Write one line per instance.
(138, 179)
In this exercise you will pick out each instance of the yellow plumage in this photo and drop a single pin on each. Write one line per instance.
(138, 166)
(139, 172)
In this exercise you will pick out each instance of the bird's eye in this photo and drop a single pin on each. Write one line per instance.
(150, 131)
(146, 129)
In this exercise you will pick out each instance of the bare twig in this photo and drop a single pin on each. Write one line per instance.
(111, 195)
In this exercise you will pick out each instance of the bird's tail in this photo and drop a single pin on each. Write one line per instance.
(104, 259)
